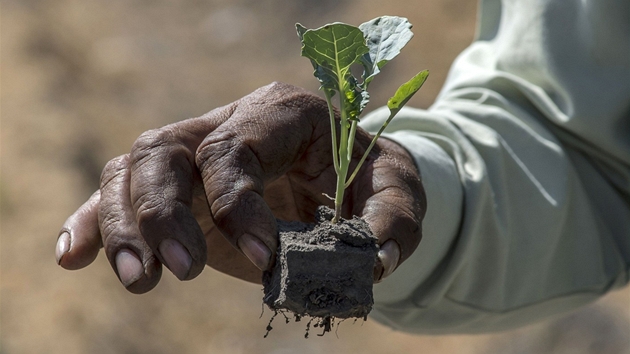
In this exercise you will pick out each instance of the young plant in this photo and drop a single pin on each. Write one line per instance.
(333, 49)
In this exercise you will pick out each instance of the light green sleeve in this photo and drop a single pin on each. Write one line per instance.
(527, 176)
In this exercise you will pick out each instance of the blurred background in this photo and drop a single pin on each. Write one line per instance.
(81, 79)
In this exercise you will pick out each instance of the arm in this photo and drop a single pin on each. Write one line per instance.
(526, 165)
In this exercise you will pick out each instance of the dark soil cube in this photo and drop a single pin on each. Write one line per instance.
(323, 269)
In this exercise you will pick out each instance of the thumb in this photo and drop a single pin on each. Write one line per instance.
(79, 240)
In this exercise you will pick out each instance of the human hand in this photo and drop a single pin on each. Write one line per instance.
(207, 190)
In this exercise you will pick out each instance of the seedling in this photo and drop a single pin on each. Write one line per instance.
(333, 49)
(325, 270)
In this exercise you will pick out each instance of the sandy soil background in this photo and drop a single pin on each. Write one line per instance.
(81, 79)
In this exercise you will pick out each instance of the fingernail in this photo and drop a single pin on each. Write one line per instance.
(63, 246)
(177, 258)
(389, 254)
(129, 267)
(255, 250)
(378, 271)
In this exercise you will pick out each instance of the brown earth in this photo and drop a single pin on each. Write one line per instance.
(81, 79)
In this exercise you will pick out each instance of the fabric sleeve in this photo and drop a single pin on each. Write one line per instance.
(525, 159)
(513, 232)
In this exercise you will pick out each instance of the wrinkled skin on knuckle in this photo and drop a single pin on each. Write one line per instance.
(228, 164)
(165, 141)
(229, 169)
(151, 208)
(229, 206)
(154, 207)
(148, 142)
(292, 119)
(283, 94)
(213, 149)
(110, 213)
(160, 162)
(113, 168)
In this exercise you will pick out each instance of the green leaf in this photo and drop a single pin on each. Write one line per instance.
(336, 45)
(318, 73)
(406, 91)
(333, 49)
(385, 36)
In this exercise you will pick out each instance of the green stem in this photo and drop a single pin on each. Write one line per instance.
(341, 188)
(333, 130)
(353, 132)
(378, 134)
(344, 162)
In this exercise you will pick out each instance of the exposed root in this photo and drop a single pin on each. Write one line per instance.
(269, 328)
(326, 324)
(308, 328)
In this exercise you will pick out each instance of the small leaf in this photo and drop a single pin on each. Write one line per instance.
(385, 37)
(406, 91)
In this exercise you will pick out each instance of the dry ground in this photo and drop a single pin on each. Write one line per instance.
(81, 79)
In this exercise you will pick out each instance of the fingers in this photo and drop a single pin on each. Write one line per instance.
(79, 239)
(391, 199)
(161, 193)
(234, 185)
(252, 148)
(131, 258)
(163, 179)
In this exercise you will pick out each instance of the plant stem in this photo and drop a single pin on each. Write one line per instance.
(353, 132)
(378, 134)
(333, 130)
(344, 162)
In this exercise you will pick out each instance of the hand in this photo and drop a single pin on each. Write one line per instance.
(207, 190)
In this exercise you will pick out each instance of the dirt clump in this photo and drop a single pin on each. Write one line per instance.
(323, 270)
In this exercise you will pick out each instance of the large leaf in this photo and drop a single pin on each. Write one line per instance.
(406, 91)
(332, 50)
(385, 36)
(336, 45)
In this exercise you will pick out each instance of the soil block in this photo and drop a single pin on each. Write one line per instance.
(323, 270)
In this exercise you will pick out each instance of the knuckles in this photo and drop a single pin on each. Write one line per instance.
(150, 208)
(149, 142)
(284, 95)
(213, 148)
(113, 169)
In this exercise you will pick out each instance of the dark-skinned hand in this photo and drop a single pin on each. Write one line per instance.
(207, 190)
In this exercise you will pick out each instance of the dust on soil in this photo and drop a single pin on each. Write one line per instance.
(323, 270)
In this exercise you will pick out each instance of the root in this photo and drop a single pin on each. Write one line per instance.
(326, 323)
(269, 328)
